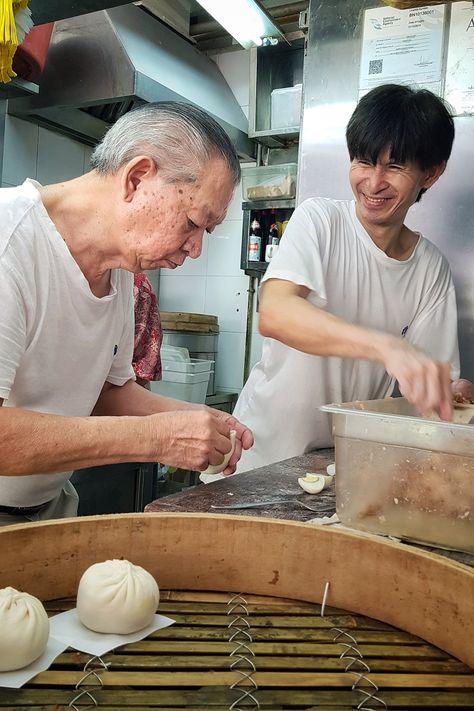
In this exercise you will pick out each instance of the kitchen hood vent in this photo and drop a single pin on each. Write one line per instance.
(102, 64)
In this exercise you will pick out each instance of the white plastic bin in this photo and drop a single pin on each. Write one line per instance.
(183, 378)
(193, 366)
(286, 107)
(190, 387)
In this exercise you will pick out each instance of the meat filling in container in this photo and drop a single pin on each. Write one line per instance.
(403, 475)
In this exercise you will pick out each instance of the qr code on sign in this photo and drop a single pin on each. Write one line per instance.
(375, 66)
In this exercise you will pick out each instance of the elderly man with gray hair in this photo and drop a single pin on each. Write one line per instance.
(162, 176)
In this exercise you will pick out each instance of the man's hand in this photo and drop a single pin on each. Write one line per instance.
(243, 439)
(194, 439)
(424, 382)
(463, 390)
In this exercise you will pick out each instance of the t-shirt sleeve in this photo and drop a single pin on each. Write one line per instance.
(12, 329)
(122, 370)
(435, 329)
(299, 256)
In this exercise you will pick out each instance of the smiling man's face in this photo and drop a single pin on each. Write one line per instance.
(384, 192)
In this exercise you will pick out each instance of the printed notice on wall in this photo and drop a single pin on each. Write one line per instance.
(459, 88)
(402, 47)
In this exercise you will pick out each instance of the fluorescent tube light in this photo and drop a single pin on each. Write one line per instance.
(245, 20)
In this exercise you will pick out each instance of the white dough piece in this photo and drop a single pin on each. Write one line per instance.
(218, 468)
(117, 597)
(209, 478)
(24, 629)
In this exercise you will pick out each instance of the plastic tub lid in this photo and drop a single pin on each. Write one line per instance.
(174, 353)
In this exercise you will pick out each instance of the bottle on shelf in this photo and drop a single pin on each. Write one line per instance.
(273, 236)
(272, 242)
(255, 241)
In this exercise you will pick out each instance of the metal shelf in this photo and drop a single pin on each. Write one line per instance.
(276, 137)
(269, 204)
(273, 67)
(17, 87)
(257, 269)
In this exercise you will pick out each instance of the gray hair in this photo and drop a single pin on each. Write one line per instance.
(179, 137)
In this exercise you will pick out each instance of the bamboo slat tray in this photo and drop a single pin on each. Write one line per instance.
(282, 569)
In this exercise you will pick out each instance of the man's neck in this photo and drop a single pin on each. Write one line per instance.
(397, 240)
(72, 208)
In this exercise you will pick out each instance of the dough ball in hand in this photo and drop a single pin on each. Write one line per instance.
(24, 629)
(218, 468)
(117, 597)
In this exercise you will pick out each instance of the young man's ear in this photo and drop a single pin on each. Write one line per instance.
(432, 174)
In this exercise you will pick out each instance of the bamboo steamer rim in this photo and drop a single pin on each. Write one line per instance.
(417, 591)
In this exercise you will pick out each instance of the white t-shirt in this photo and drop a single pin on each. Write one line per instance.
(326, 249)
(58, 342)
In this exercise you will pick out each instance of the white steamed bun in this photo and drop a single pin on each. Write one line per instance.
(117, 597)
(24, 629)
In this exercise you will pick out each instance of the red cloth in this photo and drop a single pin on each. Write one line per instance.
(148, 333)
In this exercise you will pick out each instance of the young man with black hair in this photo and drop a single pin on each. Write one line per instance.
(354, 300)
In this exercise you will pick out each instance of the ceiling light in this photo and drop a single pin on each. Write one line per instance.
(245, 20)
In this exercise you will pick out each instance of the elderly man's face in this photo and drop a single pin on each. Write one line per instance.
(167, 220)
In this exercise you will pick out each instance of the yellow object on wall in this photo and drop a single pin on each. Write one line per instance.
(8, 36)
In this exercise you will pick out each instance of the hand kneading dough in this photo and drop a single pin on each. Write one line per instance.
(218, 468)
(117, 597)
(24, 629)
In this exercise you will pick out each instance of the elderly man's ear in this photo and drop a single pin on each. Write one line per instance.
(134, 173)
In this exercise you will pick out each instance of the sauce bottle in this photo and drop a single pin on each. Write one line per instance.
(255, 241)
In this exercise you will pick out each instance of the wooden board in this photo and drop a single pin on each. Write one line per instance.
(297, 660)
(187, 317)
(189, 327)
(415, 591)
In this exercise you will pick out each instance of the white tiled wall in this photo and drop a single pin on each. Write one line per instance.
(214, 283)
(34, 152)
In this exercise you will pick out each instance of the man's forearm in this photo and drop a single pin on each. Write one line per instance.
(301, 325)
(33, 443)
(132, 399)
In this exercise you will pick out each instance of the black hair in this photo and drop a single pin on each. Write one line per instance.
(414, 124)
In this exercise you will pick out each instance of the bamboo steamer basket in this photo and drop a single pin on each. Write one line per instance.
(201, 557)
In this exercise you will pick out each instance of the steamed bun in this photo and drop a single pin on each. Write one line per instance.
(24, 629)
(117, 597)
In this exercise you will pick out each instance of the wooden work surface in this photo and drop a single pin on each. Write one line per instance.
(278, 480)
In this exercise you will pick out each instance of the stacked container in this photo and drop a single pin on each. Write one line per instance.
(183, 378)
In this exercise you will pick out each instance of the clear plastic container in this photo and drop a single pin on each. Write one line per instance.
(403, 475)
(271, 181)
(286, 107)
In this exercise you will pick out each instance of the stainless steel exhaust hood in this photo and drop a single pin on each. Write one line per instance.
(102, 64)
